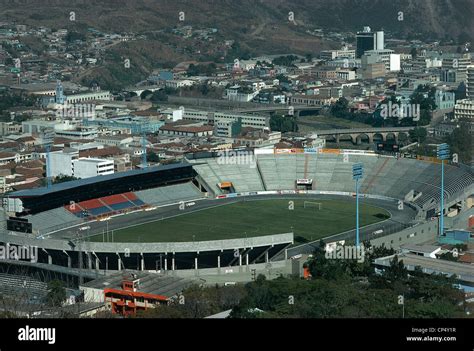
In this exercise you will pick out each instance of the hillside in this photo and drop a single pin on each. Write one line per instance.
(257, 26)
(252, 18)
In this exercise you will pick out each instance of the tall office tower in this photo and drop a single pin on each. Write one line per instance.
(379, 40)
(365, 40)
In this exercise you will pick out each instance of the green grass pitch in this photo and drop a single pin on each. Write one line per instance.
(253, 218)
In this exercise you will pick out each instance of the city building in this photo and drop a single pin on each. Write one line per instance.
(470, 82)
(126, 293)
(212, 118)
(180, 129)
(240, 94)
(464, 109)
(458, 62)
(368, 40)
(445, 100)
(387, 56)
(92, 167)
(228, 129)
(335, 54)
(61, 162)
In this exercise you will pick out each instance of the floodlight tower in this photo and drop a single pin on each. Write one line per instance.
(442, 153)
(144, 161)
(48, 165)
(357, 174)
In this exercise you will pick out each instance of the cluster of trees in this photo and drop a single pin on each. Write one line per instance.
(9, 100)
(345, 288)
(418, 135)
(63, 178)
(198, 70)
(341, 109)
(339, 288)
(460, 142)
(235, 51)
(285, 60)
(199, 302)
(283, 123)
(73, 36)
(56, 293)
(423, 96)
(152, 157)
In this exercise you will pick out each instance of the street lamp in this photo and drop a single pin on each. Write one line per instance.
(357, 174)
(442, 152)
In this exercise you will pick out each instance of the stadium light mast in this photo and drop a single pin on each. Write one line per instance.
(442, 153)
(48, 166)
(144, 161)
(357, 174)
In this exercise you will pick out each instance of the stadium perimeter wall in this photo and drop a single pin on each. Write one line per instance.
(414, 235)
(424, 232)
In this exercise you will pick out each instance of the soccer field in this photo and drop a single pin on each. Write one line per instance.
(253, 218)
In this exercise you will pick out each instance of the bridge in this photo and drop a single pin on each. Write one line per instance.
(357, 134)
(288, 109)
(139, 90)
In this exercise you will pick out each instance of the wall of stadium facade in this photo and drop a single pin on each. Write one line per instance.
(424, 232)
(414, 235)
(147, 256)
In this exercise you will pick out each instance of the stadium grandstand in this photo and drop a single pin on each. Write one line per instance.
(130, 204)
(416, 181)
(23, 286)
(42, 199)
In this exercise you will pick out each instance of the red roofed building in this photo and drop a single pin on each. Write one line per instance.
(128, 300)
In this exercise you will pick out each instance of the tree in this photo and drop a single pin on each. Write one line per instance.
(396, 271)
(424, 97)
(63, 178)
(460, 142)
(285, 60)
(56, 293)
(152, 157)
(418, 134)
(159, 96)
(283, 124)
(340, 108)
(73, 36)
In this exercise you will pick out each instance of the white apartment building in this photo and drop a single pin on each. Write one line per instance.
(60, 162)
(234, 93)
(178, 83)
(346, 74)
(464, 109)
(68, 162)
(212, 118)
(92, 167)
(334, 54)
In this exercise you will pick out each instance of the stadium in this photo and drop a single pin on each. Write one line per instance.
(229, 212)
